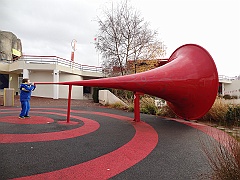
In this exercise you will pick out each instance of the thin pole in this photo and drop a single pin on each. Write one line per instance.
(137, 106)
(69, 102)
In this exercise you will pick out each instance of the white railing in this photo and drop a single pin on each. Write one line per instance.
(226, 78)
(60, 61)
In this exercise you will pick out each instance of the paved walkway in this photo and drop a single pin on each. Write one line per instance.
(99, 143)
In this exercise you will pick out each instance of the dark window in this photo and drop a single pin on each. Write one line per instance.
(86, 90)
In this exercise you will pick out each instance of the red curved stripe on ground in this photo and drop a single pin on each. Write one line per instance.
(111, 164)
(219, 135)
(88, 127)
(32, 120)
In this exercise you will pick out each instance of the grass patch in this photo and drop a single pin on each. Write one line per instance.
(118, 105)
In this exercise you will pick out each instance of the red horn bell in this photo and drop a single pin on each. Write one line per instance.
(188, 82)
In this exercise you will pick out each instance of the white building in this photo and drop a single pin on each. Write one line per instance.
(229, 86)
(48, 69)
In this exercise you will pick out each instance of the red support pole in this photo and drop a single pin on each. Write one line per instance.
(69, 102)
(137, 106)
(72, 56)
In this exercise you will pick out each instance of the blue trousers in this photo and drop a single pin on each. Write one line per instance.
(25, 108)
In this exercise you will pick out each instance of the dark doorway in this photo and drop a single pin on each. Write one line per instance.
(4, 81)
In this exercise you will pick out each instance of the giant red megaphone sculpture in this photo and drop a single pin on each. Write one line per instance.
(188, 82)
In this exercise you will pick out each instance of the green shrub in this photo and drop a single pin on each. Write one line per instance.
(147, 105)
(233, 115)
(227, 96)
(234, 97)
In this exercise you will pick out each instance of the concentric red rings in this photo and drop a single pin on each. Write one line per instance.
(103, 167)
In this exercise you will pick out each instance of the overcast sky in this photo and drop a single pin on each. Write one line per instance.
(47, 27)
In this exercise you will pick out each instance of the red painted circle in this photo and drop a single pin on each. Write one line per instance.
(31, 120)
(108, 165)
(67, 123)
(88, 127)
(113, 163)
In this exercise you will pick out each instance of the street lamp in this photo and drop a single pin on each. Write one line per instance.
(73, 44)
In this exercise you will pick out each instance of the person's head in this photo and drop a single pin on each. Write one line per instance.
(26, 81)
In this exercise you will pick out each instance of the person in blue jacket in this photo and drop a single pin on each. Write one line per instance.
(26, 89)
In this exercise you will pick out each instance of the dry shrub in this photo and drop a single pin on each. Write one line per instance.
(123, 94)
(118, 105)
(223, 159)
(129, 102)
(131, 107)
(166, 111)
(147, 105)
(217, 113)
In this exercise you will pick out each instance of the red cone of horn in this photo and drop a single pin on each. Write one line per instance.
(188, 82)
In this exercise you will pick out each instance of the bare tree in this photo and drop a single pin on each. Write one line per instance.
(123, 36)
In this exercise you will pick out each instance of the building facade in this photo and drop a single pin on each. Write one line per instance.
(48, 69)
(229, 86)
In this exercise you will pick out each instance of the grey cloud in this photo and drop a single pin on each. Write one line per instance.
(48, 27)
